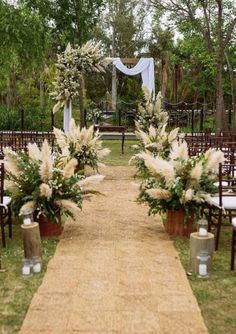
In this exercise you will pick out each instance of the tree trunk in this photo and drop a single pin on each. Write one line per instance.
(164, 77)
(31, 240)
(41, 92)
(232, 89)
(221, 124)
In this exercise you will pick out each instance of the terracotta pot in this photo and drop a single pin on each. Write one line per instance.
(48, 228)
(178, 224)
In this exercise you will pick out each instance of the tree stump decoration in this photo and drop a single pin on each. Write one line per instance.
(31, 240)
(197, 245)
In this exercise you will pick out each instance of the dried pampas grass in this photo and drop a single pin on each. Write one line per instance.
(69, 168)
(69, 206)
(45, 190)
(34, 152)
(213, 159)
(91, 180)
(159, 193)
(46, 170)
(27, 207)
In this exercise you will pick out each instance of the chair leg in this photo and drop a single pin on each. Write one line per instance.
(233, 249)
(218, 228)
(2, 229)
(209, 219)
(10, 221)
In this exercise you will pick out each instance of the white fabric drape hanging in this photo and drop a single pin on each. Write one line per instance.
(67, 116)
(145, 66)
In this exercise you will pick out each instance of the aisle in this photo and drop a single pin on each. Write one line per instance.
(114, 271)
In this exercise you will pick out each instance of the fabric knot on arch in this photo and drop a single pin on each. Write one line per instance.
(145, 67)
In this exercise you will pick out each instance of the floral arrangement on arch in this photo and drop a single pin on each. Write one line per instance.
(70, 66)
(37, 182)
(82, 144)
(179, 182)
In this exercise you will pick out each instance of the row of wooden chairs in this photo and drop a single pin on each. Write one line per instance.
(223, 209)
(18, 140)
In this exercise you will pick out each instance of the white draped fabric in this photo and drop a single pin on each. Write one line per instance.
(67, 116)
(145, 66)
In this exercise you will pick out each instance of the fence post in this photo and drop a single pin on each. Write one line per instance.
(230, 117)
(22, 114)
(192, 120)
(201, 119)
(52, 120)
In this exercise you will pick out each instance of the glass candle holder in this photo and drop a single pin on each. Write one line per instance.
(37, 264)
(202, 228)
(26, 268)
(27, 217)
(202, 264)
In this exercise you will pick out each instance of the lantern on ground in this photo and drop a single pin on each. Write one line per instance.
(37, 264)
(26, 268)
(203, 264)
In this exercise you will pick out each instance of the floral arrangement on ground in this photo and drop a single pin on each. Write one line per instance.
(40, 182)
(171, 179)
(82, 144)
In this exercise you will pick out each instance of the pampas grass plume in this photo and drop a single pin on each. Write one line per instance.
(70, 168)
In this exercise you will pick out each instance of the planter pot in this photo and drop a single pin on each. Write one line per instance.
(48, 228)
(178, 224)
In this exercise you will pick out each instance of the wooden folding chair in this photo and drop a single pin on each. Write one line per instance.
(5, 209)
(224, 203)
(233, 247)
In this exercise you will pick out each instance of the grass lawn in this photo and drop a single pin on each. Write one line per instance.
(16, 292)
(116, 158)
(216, 295)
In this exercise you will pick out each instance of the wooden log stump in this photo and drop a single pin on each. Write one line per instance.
(197, 245)
(31, 240)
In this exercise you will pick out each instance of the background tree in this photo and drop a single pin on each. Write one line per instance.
(215, 21)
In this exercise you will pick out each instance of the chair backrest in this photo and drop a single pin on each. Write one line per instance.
(227, 181)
